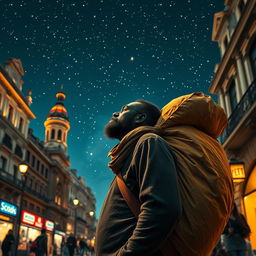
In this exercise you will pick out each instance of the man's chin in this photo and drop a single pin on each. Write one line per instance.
(112, 130)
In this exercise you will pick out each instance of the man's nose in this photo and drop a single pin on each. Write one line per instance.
(115, 114)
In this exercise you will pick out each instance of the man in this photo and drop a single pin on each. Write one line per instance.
(171, 171)
(71, 243)
(41, 244)
(8, 243)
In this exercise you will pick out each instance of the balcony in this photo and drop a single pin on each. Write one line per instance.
(12, 180)
(240, 111)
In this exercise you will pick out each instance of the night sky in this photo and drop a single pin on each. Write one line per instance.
(107, 53)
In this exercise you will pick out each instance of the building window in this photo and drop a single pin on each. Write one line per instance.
(38, 165)
(232, 95)
(33, 161)
(7, 141)
(31, 206)
(28, 156)
(253, 57)
(18, 151)
(24, 203)
(46, 173)
(42, 169)
(59, 134)
(21, 123)
(10, 113)
(53, 134)
(3, 163)
(38, 209)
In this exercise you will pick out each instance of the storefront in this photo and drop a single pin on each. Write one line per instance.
(30, 229)
(59, 239)
(8, 215)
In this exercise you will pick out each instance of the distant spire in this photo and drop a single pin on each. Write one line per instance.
(29, 98)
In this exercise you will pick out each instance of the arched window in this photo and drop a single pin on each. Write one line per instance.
(58, 194)
(253, 57)
(53, 134)
(59, 134)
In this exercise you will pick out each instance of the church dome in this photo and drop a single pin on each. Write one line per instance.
(59, 110)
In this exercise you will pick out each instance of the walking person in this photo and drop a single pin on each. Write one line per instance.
(40, 247)
(172, 193)
(235, 234)
(71, 242)
(83, 247)
(8, 243)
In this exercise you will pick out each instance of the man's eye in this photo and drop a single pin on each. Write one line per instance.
(123, 109)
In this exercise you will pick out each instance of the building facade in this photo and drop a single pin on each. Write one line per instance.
(234, 82)
(40, 198)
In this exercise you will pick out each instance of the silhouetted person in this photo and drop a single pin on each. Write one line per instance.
(41, 248)
(71, 243)
(8, 242)
(235, 233)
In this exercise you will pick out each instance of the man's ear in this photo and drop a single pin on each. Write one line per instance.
(140, 118)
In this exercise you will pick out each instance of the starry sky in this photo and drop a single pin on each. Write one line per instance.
(107, 53)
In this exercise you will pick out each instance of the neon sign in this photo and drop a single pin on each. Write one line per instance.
(8, 208)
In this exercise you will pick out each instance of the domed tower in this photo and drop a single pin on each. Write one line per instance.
(57, 124)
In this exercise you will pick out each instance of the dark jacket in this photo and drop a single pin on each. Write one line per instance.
(7, 243)
(151, 174)
(41, 244)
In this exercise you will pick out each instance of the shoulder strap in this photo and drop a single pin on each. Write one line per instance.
(128, 196)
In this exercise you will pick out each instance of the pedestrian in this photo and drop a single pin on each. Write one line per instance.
(71, 242)
(40, 244)
(65, 250)
(172, 193)
(235, 234)
(83, 247)
(8, 243)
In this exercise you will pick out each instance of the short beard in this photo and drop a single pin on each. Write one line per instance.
(114, 130)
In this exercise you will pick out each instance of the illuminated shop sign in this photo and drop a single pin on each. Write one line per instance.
(60, 233)
(8, 208)
(28, 218)
(2, 217)
(49, 225)
(36, 221)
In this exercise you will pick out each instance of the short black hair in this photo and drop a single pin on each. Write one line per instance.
(153, 112)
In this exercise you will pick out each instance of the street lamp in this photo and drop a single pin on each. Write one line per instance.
(91, 213)
(76, 203)
(23, 168)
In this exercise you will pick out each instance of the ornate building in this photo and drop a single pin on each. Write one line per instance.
(234, 30)
(46, 187)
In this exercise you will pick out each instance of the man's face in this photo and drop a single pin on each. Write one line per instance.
(124, 121)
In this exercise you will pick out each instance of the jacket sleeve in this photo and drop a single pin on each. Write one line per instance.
(156, 173)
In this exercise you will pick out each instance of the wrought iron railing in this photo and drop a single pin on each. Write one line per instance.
(11, 179)
(247, 101)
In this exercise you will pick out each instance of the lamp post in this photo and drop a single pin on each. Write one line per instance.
(76, 203)
(23, 168)
(91, 213)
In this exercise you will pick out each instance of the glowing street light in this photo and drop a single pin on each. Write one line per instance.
(75, 201)
(23, 167)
